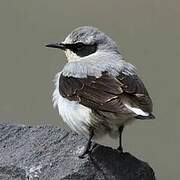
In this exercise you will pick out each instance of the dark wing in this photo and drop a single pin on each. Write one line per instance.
(135, 89)
(106, 93)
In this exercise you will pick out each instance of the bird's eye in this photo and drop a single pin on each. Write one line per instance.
(79, 45)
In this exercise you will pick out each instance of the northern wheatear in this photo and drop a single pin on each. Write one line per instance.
(97, 92)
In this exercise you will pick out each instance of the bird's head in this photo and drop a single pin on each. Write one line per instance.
(85, 41)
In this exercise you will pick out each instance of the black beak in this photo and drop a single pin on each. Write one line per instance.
(57, 45)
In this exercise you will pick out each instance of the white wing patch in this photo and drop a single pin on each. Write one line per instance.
(136, 110)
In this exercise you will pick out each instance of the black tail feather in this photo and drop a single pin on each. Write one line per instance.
(151, 116)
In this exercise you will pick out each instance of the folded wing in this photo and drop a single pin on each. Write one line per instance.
(124, 94)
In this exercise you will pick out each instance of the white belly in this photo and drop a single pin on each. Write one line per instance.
(74, 114)
(80, 118)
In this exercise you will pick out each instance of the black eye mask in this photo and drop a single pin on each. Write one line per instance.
(82, 49)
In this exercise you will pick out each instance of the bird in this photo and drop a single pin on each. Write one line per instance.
(98, 93)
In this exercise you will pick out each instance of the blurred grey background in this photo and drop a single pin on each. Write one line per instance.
(148, 34)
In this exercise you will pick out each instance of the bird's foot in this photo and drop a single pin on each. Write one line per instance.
(120, 149)
(87, 151)
(83, 154)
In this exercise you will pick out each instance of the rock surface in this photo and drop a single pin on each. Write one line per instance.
(51, 153)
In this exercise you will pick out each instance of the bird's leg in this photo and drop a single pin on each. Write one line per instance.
(95, 145)
(93, 148)
(120, 148)
(88, 145)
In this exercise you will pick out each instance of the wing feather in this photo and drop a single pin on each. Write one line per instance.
(107, 93)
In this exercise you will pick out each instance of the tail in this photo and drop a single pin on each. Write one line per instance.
(151, 116)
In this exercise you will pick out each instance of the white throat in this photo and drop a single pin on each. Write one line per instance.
(71, 56)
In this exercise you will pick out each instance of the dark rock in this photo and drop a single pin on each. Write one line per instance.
(50, 153)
